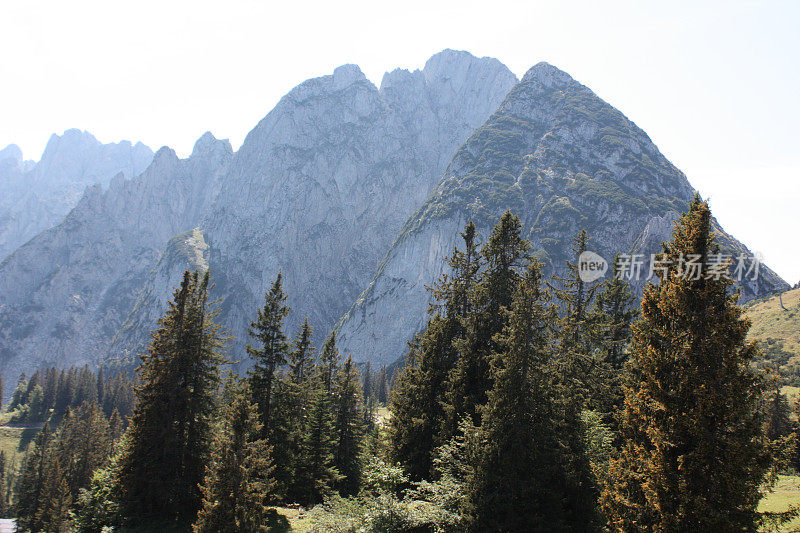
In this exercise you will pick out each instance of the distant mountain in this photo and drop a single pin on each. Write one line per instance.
(37, 196)
(66, 292)
(560, 158)
(318, 189)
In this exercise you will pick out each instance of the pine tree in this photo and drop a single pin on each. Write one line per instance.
(329, 363)
(348, 428)
(579, 366)
(609, 325)
(693, 454)
(382, 386)
(267, 329)
(418, 403)
(779, 423)
(31, 483)
(165, 457)
(290, 417)
(505, 254)
(611, 318)
(238, 480)
(320, 444)
(3, 491)
(83, 443)
(519, 480)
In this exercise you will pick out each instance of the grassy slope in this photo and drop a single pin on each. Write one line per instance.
(785, 495)
(770, 321)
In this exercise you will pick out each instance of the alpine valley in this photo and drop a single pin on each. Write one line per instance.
(355, 193)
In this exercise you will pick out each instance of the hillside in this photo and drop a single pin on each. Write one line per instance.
(778, 331)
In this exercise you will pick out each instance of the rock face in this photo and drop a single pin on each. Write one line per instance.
(561, 159)
(323, 184)
(65, 293)
(319, 189)
(186, 250)
(37, 196)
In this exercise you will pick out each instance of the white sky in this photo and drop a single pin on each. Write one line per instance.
(717, 87)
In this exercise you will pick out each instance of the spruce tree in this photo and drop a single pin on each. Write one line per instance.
(31, 485)
(609, 329)
(238, 480)
(320, 444)
(611, 318)
(693, 454)
(778, 421)
(329, 363)
(290, 417)
(577, 359)
(348, 428)
(169, 435)
(3, 490)
(271, 353)
(419, 404)
(505, 254)
(519, 480)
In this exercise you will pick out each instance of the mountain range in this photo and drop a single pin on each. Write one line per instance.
(356, 193)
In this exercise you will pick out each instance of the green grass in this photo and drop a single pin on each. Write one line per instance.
(14, 442)
(299, 520)
(784, 495)
(771, 321)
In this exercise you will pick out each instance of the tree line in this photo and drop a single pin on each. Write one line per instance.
(525, 404)
(50, 392)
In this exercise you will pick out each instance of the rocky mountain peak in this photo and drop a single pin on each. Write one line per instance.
(207, 144)
(346, 75)
(12, 152)
(547, 75)
(458, 65)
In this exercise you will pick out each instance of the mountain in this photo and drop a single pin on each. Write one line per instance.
(65, 293)
(319, 189)
(37, 196)
(560, 158)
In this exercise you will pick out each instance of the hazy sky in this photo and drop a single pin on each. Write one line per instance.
(717, 87)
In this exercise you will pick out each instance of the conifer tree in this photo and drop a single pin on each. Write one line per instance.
(419, 403)
(348, 428)
(693, 455)
(382, 386)
(290, 417)
(83, 442)
(519, 480)
(3, 490)
(31, 483)
(329, 363)
(611, 318)
(238, 480)
(164, 460)
(779, 423)
(320, 444)
(267, 329)
(504, 254)
(609, 329)
(579, 364)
